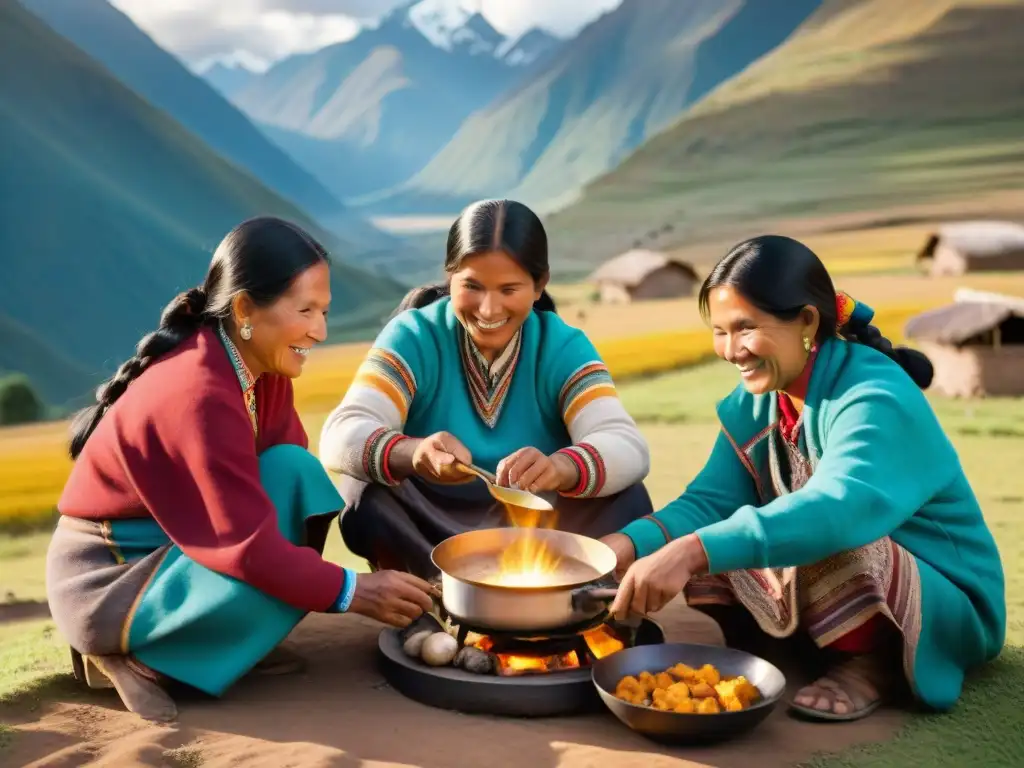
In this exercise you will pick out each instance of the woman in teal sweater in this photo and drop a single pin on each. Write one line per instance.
(481, 369)
(832, 503)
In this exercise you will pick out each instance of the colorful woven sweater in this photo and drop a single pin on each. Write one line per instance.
(548, 389)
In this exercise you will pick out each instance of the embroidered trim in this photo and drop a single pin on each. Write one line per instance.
(488, 387)
(586, 384)
(245, 378)
(348, 590)
(377, 452)
(385, 371)
(592, 470)
(745, 461)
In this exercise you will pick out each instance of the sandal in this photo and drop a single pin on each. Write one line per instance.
(856, 685)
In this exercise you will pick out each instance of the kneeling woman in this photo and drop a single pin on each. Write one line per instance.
(832, 503)
(477, 372)
(192, 525)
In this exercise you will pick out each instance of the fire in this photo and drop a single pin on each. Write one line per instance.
(529, 562)
(601, 641)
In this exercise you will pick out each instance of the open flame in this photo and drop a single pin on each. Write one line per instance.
(529, 561)
(601, 641)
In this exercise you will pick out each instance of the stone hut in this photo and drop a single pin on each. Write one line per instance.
(639, 274)
(976, 344)
(973, 246)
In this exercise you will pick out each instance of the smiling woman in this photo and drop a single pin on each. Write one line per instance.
(193, 523)
(832, 506)
(481, 370)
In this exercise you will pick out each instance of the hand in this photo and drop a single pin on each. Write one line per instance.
(392, 597)
(434, 456)
(625, 552)
(530, 470)
(652, 581)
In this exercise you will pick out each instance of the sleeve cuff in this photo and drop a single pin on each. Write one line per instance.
(591, 470)
(343, 601)
(730, 545)
(648, 535)
(377, 455)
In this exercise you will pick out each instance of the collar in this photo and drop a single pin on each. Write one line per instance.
(491, 371)
(245, 378)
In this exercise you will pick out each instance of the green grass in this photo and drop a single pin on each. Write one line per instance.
(676, 413)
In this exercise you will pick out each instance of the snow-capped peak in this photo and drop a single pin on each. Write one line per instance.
(440, 21)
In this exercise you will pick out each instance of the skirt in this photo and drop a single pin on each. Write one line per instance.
(397, 527)
(122, 587)
(830, 599)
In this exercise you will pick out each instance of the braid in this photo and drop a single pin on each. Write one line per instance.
(180, 319)
(915, 363)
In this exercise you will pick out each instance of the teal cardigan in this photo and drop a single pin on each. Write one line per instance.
(882, 467)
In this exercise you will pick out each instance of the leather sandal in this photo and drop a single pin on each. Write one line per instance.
(856, 684)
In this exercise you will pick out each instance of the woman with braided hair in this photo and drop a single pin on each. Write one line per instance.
(833, 507)
(193, 523)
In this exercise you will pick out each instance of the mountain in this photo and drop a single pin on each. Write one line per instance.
(228, 79)
(107, 209)
(111, 38)
(626, 76)
(530, 47)
(865, 108)
(369, 112)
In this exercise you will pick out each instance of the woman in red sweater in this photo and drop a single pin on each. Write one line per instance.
(192, 525)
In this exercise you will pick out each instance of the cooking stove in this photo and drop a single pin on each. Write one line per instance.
(532, 674)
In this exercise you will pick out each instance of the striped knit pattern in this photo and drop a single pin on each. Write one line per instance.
(386, 372)
(488, 389)
(376, 453)
(587, 383)
(591, 468)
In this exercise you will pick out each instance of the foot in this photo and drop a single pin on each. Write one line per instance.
(850, 691)
(280, 661)
(137, 687)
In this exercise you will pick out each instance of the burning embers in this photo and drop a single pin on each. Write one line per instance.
(543, 655)
(508, 656)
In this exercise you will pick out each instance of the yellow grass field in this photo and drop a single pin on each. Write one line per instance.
(34, 464)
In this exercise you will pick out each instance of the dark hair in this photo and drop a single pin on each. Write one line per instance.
(782, 276)
(261, 256)
(485, 226)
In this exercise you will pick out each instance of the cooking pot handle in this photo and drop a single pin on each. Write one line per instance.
(592, 598)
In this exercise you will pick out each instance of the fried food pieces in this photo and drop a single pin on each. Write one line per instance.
(682, 688)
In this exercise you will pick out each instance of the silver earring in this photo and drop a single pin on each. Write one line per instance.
(246, 331)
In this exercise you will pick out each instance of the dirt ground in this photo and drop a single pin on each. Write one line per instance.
(340, 713)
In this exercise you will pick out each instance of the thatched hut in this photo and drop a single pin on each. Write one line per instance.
(973, 246)
(642, 274)
(976, 344)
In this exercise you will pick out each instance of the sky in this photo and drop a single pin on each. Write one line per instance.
(258, 32)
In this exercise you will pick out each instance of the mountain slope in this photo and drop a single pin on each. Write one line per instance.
(626, 76)
(228, 80)
(368, 113)
(107, 209)
(112, 39)
(866, 107)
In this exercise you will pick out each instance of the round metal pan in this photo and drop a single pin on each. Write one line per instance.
(579, 595)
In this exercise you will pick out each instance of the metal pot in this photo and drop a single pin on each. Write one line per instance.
(577, 591)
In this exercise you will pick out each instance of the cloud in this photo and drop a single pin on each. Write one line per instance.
(259, 32)
(251, 31)
(563, 17)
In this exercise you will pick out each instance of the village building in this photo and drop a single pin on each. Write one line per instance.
(973, 246)
(976, 344)
(639, 274)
